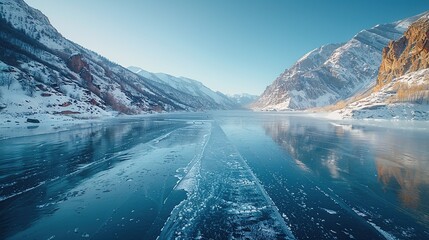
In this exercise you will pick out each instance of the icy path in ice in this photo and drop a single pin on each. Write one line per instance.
(225, 199)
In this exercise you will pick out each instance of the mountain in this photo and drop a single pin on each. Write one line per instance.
(244, 99)
(408, 54)
(402, 85)
(189, 92)
(44, 74)
(332, 72)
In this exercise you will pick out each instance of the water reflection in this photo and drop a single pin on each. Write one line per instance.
(316, 147)
(395, 159)
(404, 165)
(40, 169)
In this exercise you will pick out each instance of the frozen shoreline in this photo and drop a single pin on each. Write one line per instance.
(11, 127)
(17, 126)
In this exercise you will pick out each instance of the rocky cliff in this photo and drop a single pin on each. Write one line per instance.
(410, 53)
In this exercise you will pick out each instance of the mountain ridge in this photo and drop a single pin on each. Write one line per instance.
(196, 91)
(339, 71)
(56, 77)
(233, 101)
(402, 85)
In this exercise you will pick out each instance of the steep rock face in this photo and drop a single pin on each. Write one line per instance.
(79, 66)
(410, 53)
(332, 72)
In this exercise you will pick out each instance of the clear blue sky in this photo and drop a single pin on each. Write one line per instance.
(233, 46)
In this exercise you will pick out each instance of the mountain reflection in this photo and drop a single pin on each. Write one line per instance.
(319, 148)
(395, 159)
(404, 163)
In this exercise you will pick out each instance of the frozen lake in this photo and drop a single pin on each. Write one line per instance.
(220, 175)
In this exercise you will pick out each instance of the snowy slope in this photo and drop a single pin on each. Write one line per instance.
(192, 91)
(384, 103)
(42, 73)
(332, 72)
(46, 65)
(288, 86)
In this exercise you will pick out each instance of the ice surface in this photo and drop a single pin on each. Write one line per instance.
(227, 200)
(189, 181)
(131, 178)
(329, 211)
(236, 175)
(384, 233)
(331, 181)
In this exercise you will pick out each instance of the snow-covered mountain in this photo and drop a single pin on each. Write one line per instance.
(243, 99)
(404, 98)
(187, 91)
(402, 89)
(43, 73)
(332, 72)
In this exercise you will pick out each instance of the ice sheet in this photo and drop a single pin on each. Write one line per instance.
(227, 200)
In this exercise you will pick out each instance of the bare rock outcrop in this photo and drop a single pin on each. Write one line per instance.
(79, 66)
(408, 54)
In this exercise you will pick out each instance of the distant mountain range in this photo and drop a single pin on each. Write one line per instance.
(189, 91)
(41, 72)
(244, 100)
(332, 72)
(196, 91)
